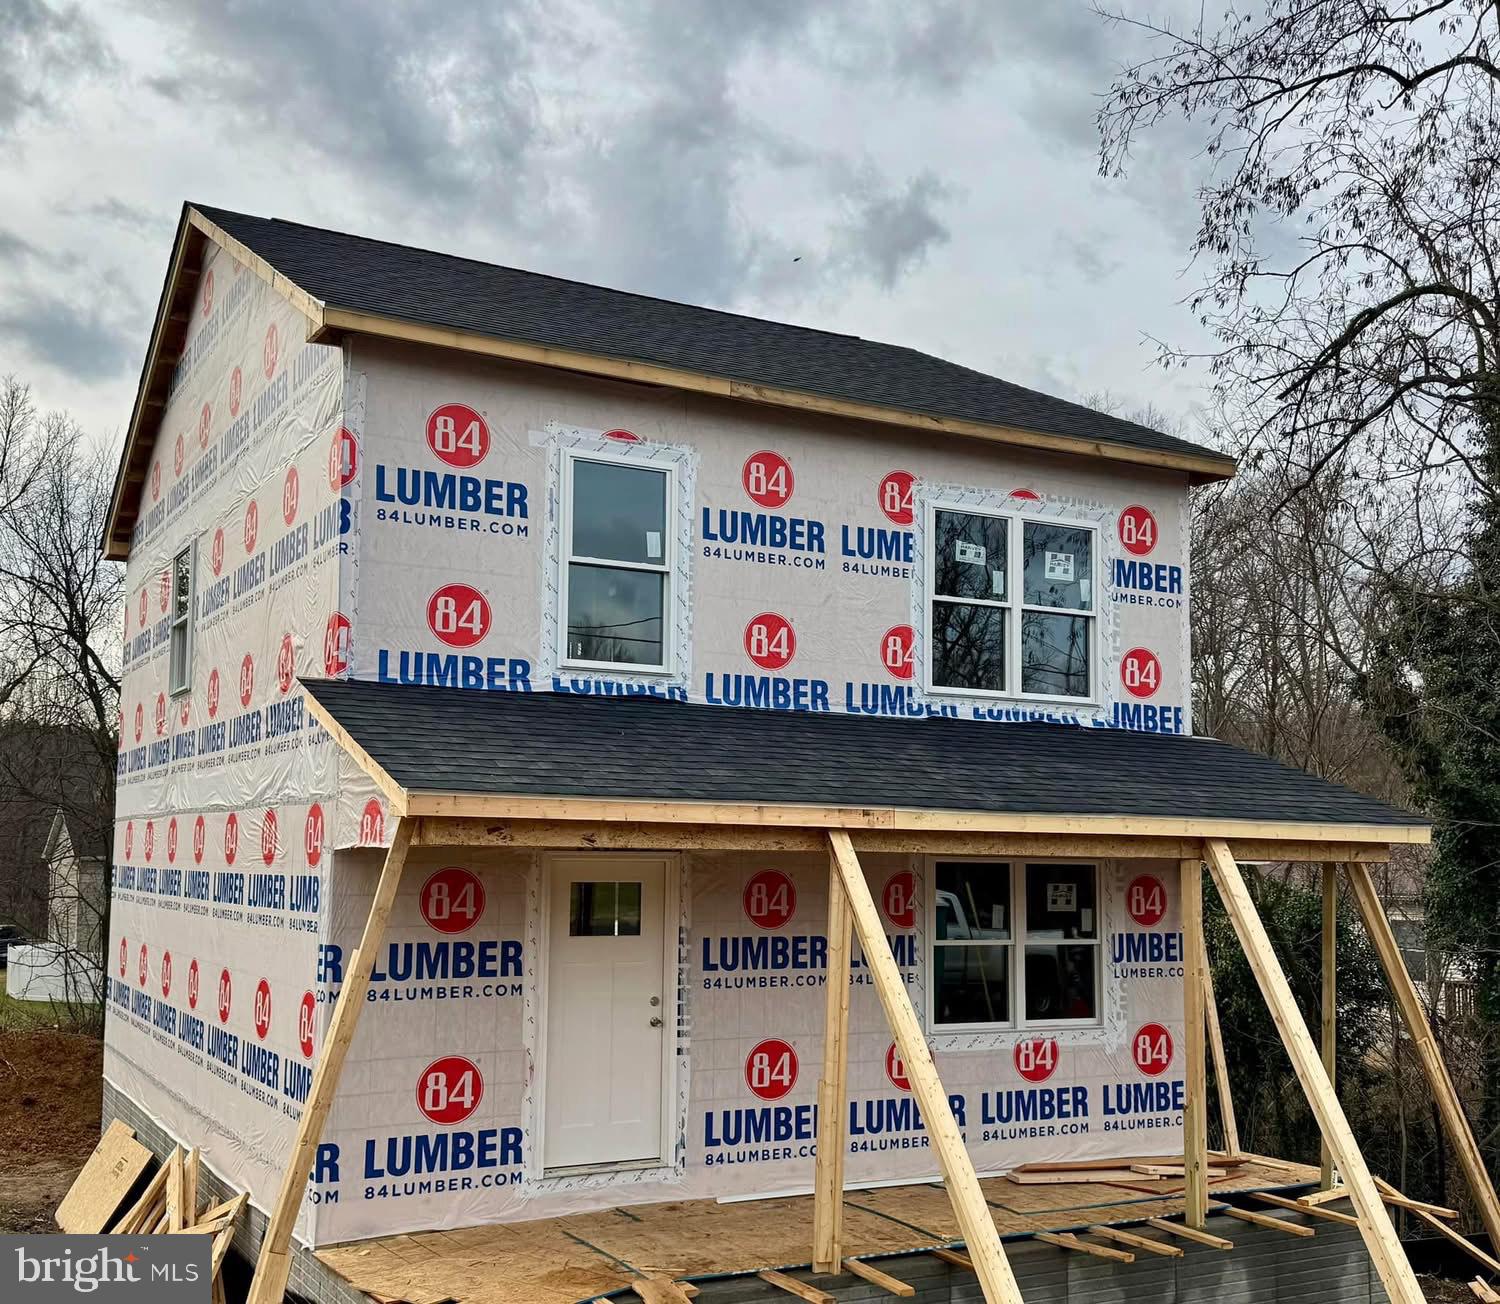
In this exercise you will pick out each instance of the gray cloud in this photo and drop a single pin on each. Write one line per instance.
(47, 48)
(892, 232)
(80, 341)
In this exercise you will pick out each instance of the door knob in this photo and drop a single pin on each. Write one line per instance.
(655, 1021)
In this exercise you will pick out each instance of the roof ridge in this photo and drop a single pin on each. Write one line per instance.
(208, 210)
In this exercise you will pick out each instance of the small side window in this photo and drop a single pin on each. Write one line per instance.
(181, 674)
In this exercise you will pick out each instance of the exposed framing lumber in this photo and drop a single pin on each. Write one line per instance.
(1216, 1048)
(274, 1264)
(598, 835)
(794, 1287)
(833, 1085)
(1375, 1226)
(969, 1206)
(873, 1275)
(1460, 1135)
(1068, 1241)
(1270, 1221)
(956, 1257)
(1329, 1010)
(1193, 1234)
(1136, 1241)
(1483, 1292)
(1195, 1014)
(1314, 1210)
(662, 1290)
(1488, 1261)
(1400, 1201)
(1204, 467)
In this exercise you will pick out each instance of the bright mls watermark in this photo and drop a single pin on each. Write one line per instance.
(120, 1269)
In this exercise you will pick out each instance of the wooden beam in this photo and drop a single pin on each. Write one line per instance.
(833, 1085)
(1314, 1210)
(1329, 1028)
(875, 1277)
(1460, 1135)
(1483, 1292)
(956, 1257)
(1270, 1221)
(1374, 1225)
(275, 1262)
(1195, 1013)
(1489, 1261)
(1194, 1234)
(679, 835)
(794, 1287)
(661, 1290)
(969, 1207)
(1067, 1241)
(1394, 1197)
(1144, 1243)
(1204, 466)
(1216, 1048)
(498, 806)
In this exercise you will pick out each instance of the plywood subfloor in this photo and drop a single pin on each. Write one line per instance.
(584, 1256)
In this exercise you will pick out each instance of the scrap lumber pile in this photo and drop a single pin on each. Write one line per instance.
(167, 1206)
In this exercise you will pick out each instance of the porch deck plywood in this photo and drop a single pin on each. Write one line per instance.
(584, 1256)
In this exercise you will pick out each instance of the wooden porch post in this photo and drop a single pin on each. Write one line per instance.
(275, 1260)
(1374, 1225)
(833, 1090)
(1216, 1047)
(1330, 996)
(1460, 1135)
(973, 1214)
(1195, 1115)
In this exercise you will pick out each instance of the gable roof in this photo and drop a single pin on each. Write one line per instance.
(429, 746)
(352, 284)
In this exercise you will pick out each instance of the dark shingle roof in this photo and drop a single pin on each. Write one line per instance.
(555, 744)
(416, 285)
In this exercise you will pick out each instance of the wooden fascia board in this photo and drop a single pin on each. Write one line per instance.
(496, 806)
(1203, 468)
(145, 418)
(398, 796)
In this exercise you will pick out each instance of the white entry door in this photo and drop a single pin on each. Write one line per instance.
(607, 1014)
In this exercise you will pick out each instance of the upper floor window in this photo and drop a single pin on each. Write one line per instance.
(180, 676)
(1011, 611)
(1013, 945)
(616, 572)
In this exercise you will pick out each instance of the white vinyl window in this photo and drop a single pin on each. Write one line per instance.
(1011, 607)
(616, 572)
(180, 676)
(1013, 945)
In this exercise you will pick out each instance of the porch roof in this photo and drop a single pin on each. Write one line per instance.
(440, 751)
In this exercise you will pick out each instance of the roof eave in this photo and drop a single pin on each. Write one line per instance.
(1201, 468)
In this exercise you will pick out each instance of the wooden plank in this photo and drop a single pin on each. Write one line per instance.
(1488, 1261)
(1216, 1049)
(1395, 1197)
(659, 1290)
(956, 1257)
(190, 1167)
(177, 1215)
(1329, 1011)
(850, 819)
(1211, 1174)
(275, 1262)
(225, 1237)
(1483, 1292)
(105, 1180)
(1316, 1211)
(833, 1086)
(132, 1220)
(962, 1184)
(1022, 1178)
(1146, 1243)
(1190, 1234)
(1067, 1241)
(1374, 1225)
(1450, 1110)
(1195, 1013)
(335, 321)
(1314, 1199)
(1269, 1220)
(794, 1287)
(875, 1277)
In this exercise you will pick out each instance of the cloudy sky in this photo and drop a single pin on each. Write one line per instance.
(922, 173)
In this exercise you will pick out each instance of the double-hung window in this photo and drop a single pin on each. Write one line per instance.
(1014, 945)
(180, 670)
(617, 568)
(1011, 609)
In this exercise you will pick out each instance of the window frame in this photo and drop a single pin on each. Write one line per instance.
(1015, 606)
(184, 622)
(1019, 940)
(567, 559)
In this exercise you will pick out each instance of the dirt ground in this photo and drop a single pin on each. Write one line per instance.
(49, 1121)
